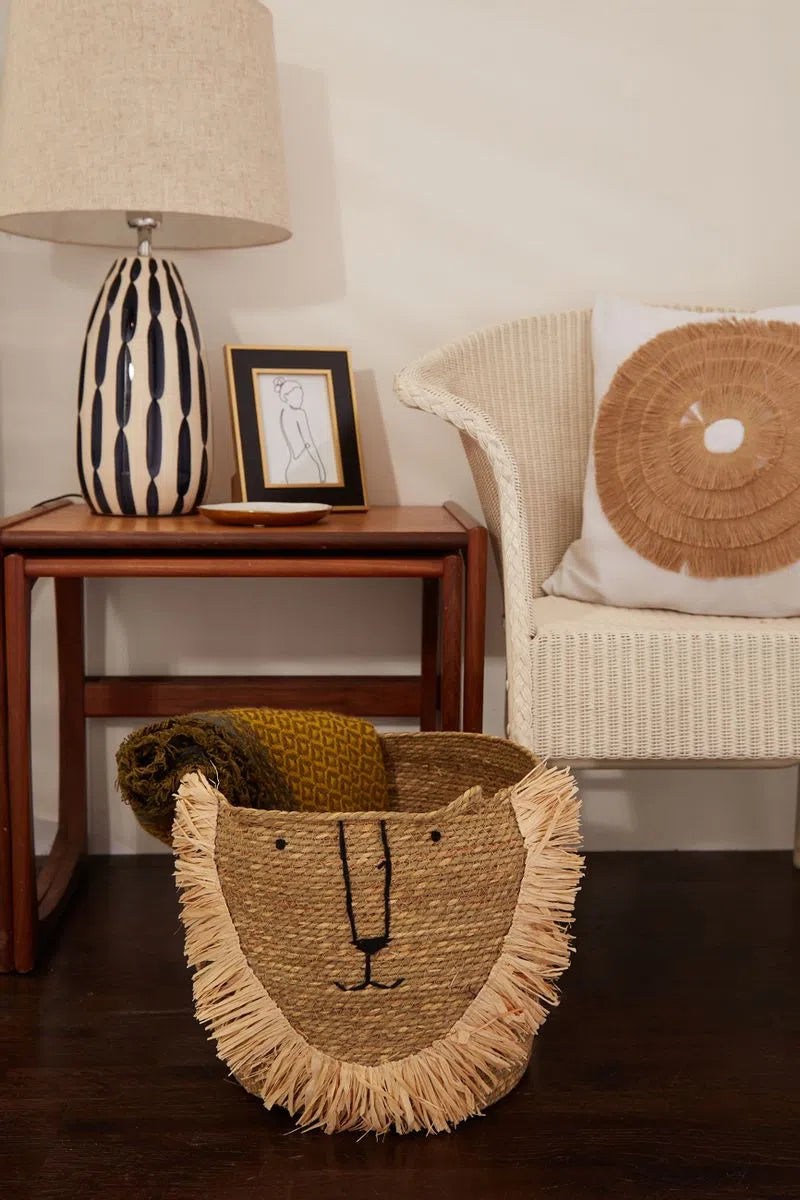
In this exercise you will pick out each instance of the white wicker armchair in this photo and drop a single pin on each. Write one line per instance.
(587, 683)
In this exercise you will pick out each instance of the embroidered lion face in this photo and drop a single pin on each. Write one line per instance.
(368, 970)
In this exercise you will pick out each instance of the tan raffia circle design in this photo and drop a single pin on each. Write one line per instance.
(679, 505)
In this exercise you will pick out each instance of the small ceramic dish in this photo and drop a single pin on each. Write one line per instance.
(264, 512)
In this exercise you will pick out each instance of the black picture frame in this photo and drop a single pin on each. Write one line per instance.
(295, 425)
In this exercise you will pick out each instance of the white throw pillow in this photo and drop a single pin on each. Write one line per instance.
(692, 494)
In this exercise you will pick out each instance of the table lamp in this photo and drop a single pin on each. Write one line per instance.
(129, 123)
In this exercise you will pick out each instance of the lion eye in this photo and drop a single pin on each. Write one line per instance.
(435, 835)
(280, 844)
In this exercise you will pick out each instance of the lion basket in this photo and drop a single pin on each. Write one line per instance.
(379, 970)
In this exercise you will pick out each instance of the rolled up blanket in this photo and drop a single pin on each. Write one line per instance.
(258, 758)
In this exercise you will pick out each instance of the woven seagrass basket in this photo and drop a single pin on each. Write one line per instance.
(379, 970)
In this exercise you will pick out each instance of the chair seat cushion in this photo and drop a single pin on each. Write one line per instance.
(618, 683)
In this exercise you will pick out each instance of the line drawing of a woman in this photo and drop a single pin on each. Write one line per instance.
(304, 464)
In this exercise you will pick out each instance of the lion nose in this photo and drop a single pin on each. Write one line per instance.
(371, 945)
(367, 876)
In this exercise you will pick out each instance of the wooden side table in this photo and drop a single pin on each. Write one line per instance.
(442, 547)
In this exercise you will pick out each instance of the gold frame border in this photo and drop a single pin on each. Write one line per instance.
(228, 349)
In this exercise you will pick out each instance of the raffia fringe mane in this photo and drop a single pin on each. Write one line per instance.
(481, 1056)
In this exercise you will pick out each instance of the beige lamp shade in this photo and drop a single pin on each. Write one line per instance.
(167, 107)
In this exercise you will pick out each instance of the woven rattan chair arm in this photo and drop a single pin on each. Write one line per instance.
(424, 385)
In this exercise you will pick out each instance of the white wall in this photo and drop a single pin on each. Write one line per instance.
(453, 163)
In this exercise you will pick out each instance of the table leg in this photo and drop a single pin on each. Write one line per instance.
(429, 708)
(475, 628)
(6, 909)
(69, 846)
(452, 615)
(18, 674)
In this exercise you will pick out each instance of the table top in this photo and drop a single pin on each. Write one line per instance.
(68, 528)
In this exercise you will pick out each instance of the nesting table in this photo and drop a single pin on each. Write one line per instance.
(443, 547)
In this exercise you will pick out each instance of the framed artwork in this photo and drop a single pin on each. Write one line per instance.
(295, 425)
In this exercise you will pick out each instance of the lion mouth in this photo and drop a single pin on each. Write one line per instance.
(368, 981)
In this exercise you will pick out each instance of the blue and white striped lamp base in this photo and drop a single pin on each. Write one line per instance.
(142, 395)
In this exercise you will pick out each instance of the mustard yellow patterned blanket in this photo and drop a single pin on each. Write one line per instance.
(258, 758)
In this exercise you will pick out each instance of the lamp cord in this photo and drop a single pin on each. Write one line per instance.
(63, 496)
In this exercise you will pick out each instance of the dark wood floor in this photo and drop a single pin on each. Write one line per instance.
(671, 1068)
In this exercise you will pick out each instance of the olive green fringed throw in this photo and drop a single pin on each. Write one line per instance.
(259, 758)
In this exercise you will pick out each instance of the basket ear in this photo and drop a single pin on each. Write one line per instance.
(474, 801)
